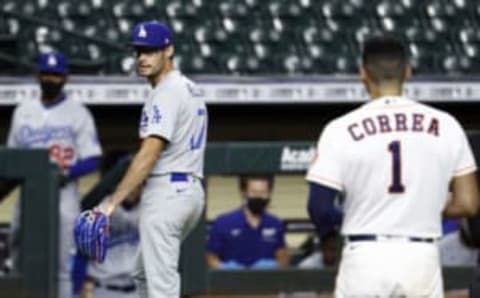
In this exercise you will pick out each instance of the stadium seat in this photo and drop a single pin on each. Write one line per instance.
(248, 36)
(8, 44)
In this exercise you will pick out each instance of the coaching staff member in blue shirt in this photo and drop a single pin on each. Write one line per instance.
(248, 237)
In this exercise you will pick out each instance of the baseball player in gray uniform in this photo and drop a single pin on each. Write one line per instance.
(173, 128)
(67, 129)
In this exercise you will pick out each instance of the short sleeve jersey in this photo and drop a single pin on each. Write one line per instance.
(176, 113)
(393, 159)
(65, 127)
(231, 238)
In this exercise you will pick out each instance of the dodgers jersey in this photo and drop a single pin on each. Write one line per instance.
(174, 112)
(65, 127)
(393, 158)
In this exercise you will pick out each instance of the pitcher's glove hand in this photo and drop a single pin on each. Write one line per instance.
(91, 234)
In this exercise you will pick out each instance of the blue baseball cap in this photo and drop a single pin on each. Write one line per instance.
(152, 34)
(54, 62)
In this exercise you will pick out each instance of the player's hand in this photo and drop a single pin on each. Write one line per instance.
(106, 207)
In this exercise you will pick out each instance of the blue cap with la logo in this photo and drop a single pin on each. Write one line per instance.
(54, 62)
(152, 34)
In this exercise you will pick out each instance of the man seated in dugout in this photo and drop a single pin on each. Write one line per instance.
(249, 236)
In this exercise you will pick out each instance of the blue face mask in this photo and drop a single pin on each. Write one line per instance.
(257, 205)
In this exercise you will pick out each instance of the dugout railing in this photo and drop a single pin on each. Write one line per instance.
(37, 261)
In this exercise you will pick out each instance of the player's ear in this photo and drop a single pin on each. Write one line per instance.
(364, 75)
(169, 51)
(365, 78)
(407, 72)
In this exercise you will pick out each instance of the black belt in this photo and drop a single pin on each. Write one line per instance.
(353, 238)
(124, 289)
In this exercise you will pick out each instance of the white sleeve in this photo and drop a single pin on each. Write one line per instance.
(464, 161)
(87, 141)
(326, 167)
(160, 116)
(12, 139)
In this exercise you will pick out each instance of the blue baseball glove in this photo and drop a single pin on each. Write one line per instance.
(91, 234)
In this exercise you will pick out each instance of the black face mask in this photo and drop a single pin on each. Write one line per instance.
(50, 90)
(257, 205)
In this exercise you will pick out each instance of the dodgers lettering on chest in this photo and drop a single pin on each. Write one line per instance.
(150, 115)
(59, 139)
(398, 122)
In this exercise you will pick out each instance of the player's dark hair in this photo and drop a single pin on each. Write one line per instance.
(244, 180)
(384, 59)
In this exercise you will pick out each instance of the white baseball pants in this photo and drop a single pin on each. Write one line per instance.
(397, 268)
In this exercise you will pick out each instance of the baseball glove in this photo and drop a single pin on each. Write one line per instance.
(91, 234)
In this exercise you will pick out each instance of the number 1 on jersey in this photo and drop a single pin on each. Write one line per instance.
(396, 186)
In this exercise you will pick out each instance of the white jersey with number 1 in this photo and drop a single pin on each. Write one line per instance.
(393, 158)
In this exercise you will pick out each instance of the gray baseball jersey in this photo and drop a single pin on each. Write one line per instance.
(66, 128)
(174, 112)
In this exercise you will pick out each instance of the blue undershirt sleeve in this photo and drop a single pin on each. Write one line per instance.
(321, 208)
(83, 167)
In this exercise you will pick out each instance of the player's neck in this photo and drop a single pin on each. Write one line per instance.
(385, 90)
(252, 219)
(52, 100)
(161, 75)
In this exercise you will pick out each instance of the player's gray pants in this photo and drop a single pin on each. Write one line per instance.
(106, 293)
(69, 210)
(168, 212)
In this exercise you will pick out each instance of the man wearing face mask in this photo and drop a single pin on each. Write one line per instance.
(67, 129)
(248, 237)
